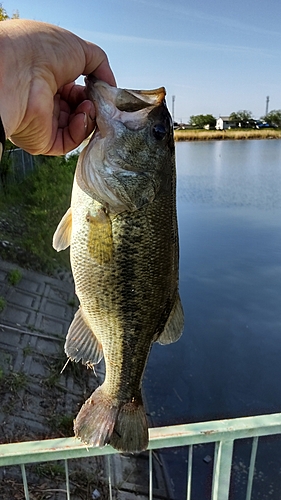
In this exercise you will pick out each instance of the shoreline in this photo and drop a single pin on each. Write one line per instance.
(231, 134)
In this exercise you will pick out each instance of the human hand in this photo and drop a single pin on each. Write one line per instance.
(42, 109)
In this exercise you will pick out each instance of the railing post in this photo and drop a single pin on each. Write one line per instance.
(67, 480)
(109, 476)
(25, 486)
(150, 476)
(222, 470)
(252, 468)
(189, 472)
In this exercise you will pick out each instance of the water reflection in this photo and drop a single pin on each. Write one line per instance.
(227, 362)
(229, 208)
(230, 173)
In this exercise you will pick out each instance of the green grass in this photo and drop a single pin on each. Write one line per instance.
(50, 469)
(14, 382)
(2, 304)
(62, 424)
(30, 212)
(73, 302)
(27, 350)
(14, 276)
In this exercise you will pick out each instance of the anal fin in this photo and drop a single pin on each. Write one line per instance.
(81, 343)
(174, 326)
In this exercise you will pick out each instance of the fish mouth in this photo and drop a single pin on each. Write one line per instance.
(131, 107)
(124, 99)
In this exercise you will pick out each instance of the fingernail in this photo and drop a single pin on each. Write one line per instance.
(85, 121)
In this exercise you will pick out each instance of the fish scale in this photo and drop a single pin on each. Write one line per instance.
(126, 310)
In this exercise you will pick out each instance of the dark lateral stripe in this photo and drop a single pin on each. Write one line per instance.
(2, 138)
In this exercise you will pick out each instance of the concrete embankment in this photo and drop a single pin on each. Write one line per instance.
(39, 402)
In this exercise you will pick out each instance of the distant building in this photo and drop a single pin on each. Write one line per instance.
(224, 122)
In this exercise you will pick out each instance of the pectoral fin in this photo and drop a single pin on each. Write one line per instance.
(100, 243)
(174, 326)
(81, 343)
(62, 235)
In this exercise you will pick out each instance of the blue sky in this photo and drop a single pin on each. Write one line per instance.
(213, 56)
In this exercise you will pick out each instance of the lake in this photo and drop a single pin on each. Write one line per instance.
(228, 360)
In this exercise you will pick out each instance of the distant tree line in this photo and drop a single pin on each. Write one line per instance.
(4, 16)
(245, 118)
(273, 118)
(242, 118)
(201, 121)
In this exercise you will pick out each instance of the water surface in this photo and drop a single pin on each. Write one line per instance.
(228, 361)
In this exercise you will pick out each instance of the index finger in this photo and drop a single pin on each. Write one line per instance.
(104, 72)
(97, 63)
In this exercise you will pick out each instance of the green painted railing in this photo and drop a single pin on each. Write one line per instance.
(221, 432)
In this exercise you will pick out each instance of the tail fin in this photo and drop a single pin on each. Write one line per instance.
(101, 422)
(131, 430)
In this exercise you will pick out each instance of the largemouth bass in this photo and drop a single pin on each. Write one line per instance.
(123, 237)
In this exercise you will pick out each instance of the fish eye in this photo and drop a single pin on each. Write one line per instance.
(159, 131)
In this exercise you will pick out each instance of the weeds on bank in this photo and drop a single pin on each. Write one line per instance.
(48, 482)
(233, 134)
(27, 350)
(14, 276)
(50, 469)
(61, 366)
(73, 302)
(13, 381)
(82, 482)
(2, 304)
(31, 210)
(62, 424)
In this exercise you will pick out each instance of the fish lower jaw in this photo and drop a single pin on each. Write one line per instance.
(96, 135)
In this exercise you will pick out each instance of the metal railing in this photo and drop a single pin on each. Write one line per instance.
(16, 164)
(221, 432)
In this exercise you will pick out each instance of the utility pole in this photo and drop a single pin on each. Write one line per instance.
(266, 107)
(173, 107)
